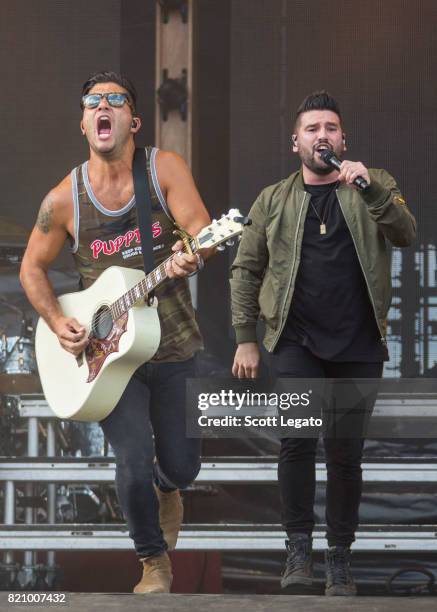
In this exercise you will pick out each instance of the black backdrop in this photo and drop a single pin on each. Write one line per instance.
(48, 48)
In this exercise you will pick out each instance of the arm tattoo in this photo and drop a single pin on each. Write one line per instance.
(45, 214)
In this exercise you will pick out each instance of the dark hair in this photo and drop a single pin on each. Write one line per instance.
(318, 100)
(108, 76)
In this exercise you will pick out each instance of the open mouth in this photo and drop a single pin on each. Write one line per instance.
(104, 126)
(322, 147)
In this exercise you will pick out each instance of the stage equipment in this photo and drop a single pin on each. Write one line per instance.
(83, 513)
(13, 240)
(173, 5)
(18, 365)
(9, 418)
(18, 370)
(173, 95)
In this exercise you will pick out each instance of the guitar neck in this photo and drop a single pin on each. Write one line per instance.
(140, 290)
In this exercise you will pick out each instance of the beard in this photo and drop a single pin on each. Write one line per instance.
(314, 162)
(316, 165)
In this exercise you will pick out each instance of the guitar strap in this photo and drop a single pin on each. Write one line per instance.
(143, 201)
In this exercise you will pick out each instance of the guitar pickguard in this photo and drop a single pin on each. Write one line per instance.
(98, 350)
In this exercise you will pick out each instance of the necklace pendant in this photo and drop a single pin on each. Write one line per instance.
(322, 228)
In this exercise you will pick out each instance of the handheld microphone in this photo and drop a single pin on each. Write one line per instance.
(332, 160)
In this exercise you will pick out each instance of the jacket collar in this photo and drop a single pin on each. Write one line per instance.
(296, 180)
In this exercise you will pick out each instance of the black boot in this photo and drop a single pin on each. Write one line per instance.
(339, 580)
(298, 567)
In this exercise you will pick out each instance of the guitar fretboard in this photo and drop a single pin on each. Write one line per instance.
(141, 289)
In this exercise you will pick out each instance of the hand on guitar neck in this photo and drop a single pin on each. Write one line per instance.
(182, 264)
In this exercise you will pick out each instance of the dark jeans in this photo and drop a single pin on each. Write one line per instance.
(296, 467)
(149, 422)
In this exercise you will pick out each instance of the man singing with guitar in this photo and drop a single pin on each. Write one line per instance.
(94, 207)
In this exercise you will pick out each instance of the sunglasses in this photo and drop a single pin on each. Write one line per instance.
(114, 99)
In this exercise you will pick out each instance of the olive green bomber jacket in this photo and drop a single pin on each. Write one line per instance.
(265, 268)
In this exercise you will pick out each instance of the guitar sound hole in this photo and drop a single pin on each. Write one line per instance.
(102, 322)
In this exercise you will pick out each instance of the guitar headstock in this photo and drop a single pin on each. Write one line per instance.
(222, 230)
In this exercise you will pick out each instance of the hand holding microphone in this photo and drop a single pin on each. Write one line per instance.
(352, 173)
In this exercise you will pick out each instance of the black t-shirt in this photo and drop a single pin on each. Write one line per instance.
(331, 312)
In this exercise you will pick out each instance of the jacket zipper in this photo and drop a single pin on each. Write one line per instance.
(292, 270)
(383, 340)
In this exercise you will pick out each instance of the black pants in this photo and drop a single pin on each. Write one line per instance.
(296, 467)
(149, 422)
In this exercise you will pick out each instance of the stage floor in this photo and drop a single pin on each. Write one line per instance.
(78, 602)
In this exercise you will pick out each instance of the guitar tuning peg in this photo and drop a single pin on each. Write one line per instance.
(221, 247)
(230, 242)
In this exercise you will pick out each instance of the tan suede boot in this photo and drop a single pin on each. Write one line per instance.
(157, 576)
(171, 513)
